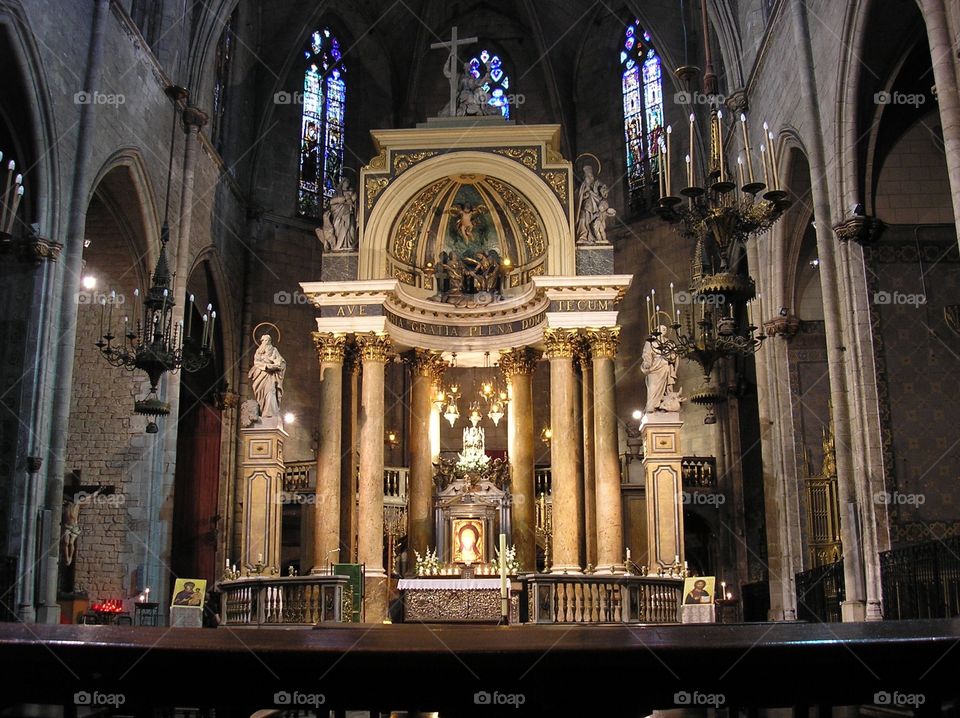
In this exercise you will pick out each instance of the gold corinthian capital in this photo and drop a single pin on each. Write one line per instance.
(330, 346)
(603, 341)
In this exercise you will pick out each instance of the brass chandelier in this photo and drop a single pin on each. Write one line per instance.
(714, 320)
(155, 342)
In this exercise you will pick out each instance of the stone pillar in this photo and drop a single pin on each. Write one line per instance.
(426, 368)
(374, 348)
(517, 366)
(560, 347)
(661, 467)
(326, 508)
(262, 475)
(610, 549)
(589, 468)
(349, 457)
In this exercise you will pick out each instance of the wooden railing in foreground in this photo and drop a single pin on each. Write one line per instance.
(283, 600)
(603, 599)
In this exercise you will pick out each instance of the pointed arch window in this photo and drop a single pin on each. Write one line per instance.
(322, 125)
(222, 61)
(497, 85)
(642, 86)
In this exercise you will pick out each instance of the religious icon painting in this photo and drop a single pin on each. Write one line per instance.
(699, 589)
(189, 592)
(467, 541)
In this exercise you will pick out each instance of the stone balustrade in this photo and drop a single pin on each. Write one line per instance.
(603, 599)
(283, 600)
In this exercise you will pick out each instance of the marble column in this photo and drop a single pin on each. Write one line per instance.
(610, 550)
(426, 368)
(374, 348)
(560, 347)
(349, 457)
(517, 366)
(589, 468)
(326, 508)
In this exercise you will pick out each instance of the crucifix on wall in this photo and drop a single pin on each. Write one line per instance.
(451, 66)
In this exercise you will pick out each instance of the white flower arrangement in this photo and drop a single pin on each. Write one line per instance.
(428, 565)
(513, 564)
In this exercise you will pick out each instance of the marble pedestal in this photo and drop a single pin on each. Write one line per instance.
(660, 432)
(262, 480)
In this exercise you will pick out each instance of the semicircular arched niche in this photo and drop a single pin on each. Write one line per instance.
(412, 222)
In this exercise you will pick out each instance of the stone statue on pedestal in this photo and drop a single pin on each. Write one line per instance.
(266, 375)
(593, 209)
(339, 231)
(661, 375)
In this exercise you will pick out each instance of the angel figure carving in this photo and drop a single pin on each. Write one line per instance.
(465, 214)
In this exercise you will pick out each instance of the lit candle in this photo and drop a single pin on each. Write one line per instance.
(259, 558)
(689, 172)
(228, 563)
(213, 324)
(692, 120)
(750, 313)
(660, 170)
(676, 558)
(203, 341)
(720, 141)
(773, 158)
(763, 158)
(669, 186)
(746, 146)
(628, 553)
(190, 315)
(740, 169)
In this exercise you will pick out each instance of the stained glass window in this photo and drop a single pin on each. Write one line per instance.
(222, 75)
(497, 86)
(322, 124)
(642, 85)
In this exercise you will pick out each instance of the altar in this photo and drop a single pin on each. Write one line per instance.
(456, 600)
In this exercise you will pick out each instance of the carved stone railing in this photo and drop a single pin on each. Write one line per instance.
(299, 476)
(699, 472)
(395, 483)
(543, 480)
(603, 599)
(283, 600)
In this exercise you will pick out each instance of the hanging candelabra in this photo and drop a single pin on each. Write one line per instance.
(715, 317)
(155, 341)
(10, 199)
(495, 394)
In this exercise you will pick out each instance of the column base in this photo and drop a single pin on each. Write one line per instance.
(48, 614)
(572, 569)
(376, 605)
(874, 611)
(852, 611)
(610, 569)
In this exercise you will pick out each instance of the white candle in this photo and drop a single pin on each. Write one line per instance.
(676, 558)
(689, 172)
(773, 160)
(740, 169)
(720, 141)
(763, 158)
(746, 146)
(669, 186)
(628, 553)
(673, 307)
(692, 120)
(259, 558)
(660, 171)
(228, 563)
(649, 328)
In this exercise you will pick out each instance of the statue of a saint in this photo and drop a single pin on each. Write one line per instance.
(661, 376)
(339, 232)
(267, 376)
(593, 209)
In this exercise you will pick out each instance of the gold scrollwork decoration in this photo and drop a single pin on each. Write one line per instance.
(560, 343)
(373, 187)
(523, 214)
(330, 346)
(603, 341)
(527, 156)
(557, 179)
(412, 219)
(374, 346)
(405, 160)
